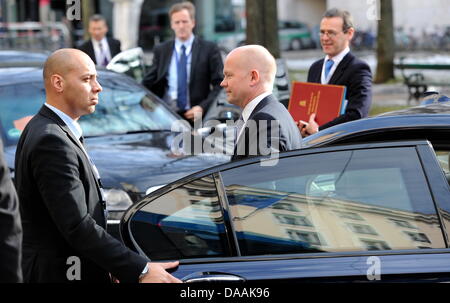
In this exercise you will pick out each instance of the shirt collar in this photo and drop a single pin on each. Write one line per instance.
(96, 42)
(252, 105)
(188, 44)
(73, 125)
(338, 58)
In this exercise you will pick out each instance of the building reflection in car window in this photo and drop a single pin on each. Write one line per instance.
(185, 223)
(361, 200)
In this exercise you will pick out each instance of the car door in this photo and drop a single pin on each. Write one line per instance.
(351, 213)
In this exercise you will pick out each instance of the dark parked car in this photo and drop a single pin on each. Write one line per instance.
(426, 122)
(371, 204)
(129, 136)
(377, 210)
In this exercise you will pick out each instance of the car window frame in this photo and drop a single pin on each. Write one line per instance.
(425, 153)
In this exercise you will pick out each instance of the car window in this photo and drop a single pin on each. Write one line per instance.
(185, 223)
(18, 104)
(359, 200)
(125, 107)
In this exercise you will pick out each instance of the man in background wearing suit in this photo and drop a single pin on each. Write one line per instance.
(186, 72)
(340, 67)
(266, 125)
(10, 228)
(61, 197)
(100, 48)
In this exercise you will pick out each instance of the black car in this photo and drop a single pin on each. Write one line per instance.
(129, 136)
(430, 121)
(375, 211)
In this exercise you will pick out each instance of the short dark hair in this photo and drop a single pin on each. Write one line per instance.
(345, 15)
(96, 18)
(181, 6)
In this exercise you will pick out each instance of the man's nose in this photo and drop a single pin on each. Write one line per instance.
(97, 87)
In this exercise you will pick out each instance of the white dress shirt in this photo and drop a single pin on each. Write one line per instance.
(336, 59)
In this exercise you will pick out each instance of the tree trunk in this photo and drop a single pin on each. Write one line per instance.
(385, 44)
(262, 24)
(87, 10)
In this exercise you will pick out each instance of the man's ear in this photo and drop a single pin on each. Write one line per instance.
(351, 33)
(57, 82)
(254, 77)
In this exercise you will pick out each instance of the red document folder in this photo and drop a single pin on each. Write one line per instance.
(327, 101)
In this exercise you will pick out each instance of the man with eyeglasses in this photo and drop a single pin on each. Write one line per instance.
(340, 67)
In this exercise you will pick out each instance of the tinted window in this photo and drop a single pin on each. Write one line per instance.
(185, 223)
(123, 107)
(18, 104)
(359, 200)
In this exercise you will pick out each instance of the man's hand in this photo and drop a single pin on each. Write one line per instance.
(308, 128)
(196, 111)
(157, 273)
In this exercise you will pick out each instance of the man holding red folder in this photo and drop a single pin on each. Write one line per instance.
(340, 67)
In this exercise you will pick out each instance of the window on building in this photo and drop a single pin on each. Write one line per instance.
(375, 245)
(402, 223)
(362, 229)
(418, 237)
(349, 215)
(293, 220)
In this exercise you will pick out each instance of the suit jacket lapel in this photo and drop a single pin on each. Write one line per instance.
(47, 112)
(317, 76)
(261, 105)
(91, 51)
(166, 58)
(341, 68)
(194, 59)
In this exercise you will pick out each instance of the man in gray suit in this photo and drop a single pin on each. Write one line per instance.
(267, 126)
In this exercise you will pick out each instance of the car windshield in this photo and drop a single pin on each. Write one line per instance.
(124, 107)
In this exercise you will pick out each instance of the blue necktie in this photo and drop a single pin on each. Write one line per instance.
(328, 67)
(182, 79)
(103, 52)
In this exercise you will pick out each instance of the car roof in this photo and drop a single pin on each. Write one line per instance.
(17, 75)
(433, 116)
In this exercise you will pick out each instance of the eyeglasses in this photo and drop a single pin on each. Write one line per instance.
(330, 34)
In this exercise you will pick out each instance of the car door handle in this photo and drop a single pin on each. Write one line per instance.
(212, 277)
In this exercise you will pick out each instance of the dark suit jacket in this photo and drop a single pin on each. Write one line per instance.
(88, 48)
(357, 77)
(205, 76)
(61, 209)
(269, 121)
(10, 228)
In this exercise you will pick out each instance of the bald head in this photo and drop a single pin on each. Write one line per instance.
(71, 82)
(249, 71)
(256, 57)
(63, 61)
